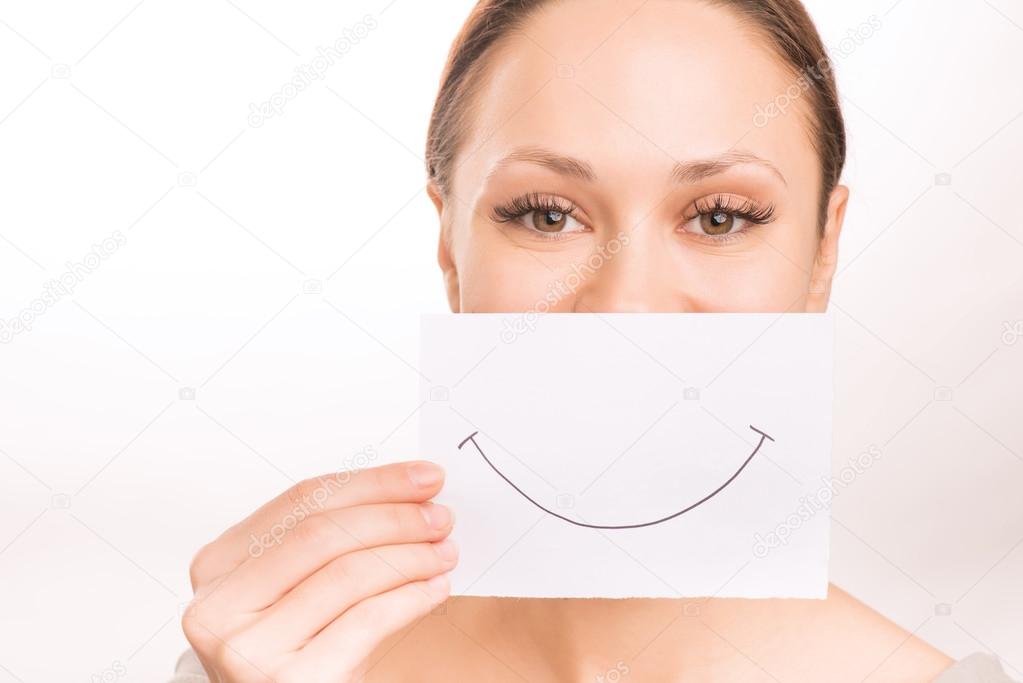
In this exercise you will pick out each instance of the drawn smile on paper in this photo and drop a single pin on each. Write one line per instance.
(763, 437)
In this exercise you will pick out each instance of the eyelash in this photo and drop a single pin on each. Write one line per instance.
(528, 203)
(739, 208)
(745, 209)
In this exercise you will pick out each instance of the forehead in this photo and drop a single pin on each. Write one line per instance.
(647, 83)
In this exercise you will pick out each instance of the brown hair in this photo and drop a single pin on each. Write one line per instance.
(786, 23)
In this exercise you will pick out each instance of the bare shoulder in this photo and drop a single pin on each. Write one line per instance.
(836, 639)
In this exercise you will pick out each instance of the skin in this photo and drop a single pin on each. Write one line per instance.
(351, 592)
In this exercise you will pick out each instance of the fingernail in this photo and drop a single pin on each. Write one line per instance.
(437, 516)
(424, 474)
(446, 550)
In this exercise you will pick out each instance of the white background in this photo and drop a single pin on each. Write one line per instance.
(132, 116)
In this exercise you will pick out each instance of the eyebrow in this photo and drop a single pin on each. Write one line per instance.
(683, 172)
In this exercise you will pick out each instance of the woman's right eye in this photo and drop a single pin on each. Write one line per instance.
(552, 222)
(540, 214)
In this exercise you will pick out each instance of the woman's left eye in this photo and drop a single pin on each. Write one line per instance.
(716, 224)
(724, 218)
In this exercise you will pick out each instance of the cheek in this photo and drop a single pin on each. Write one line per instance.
(772, 275)
(502, 280)
(769, 273)
(517, 281)
(762, 285)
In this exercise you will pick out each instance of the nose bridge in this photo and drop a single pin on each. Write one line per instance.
(628, 275)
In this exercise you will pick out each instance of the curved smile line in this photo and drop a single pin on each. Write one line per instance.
(763, 437)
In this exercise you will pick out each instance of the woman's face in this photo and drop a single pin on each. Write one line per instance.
(638, 179)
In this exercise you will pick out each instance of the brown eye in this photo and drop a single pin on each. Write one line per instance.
(546, 216)
(717, 223)
(549, 221)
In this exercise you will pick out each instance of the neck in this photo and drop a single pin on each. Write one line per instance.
(599, 640)
(575, 639)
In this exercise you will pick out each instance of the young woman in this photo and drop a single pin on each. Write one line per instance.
(709, 132)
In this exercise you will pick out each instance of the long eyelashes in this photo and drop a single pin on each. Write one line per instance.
(746, 209)
(740, 208)
(527, 203)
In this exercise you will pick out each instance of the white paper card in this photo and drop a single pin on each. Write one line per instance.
(632, 455)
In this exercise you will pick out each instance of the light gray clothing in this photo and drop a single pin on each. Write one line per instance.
(189, 670)
(976, 668)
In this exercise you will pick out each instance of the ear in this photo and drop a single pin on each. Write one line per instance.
(445, 258)
(826, 263)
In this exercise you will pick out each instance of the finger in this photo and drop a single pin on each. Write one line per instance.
(263, 580)
(346, 581)
(341, 649)
(411, 482)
